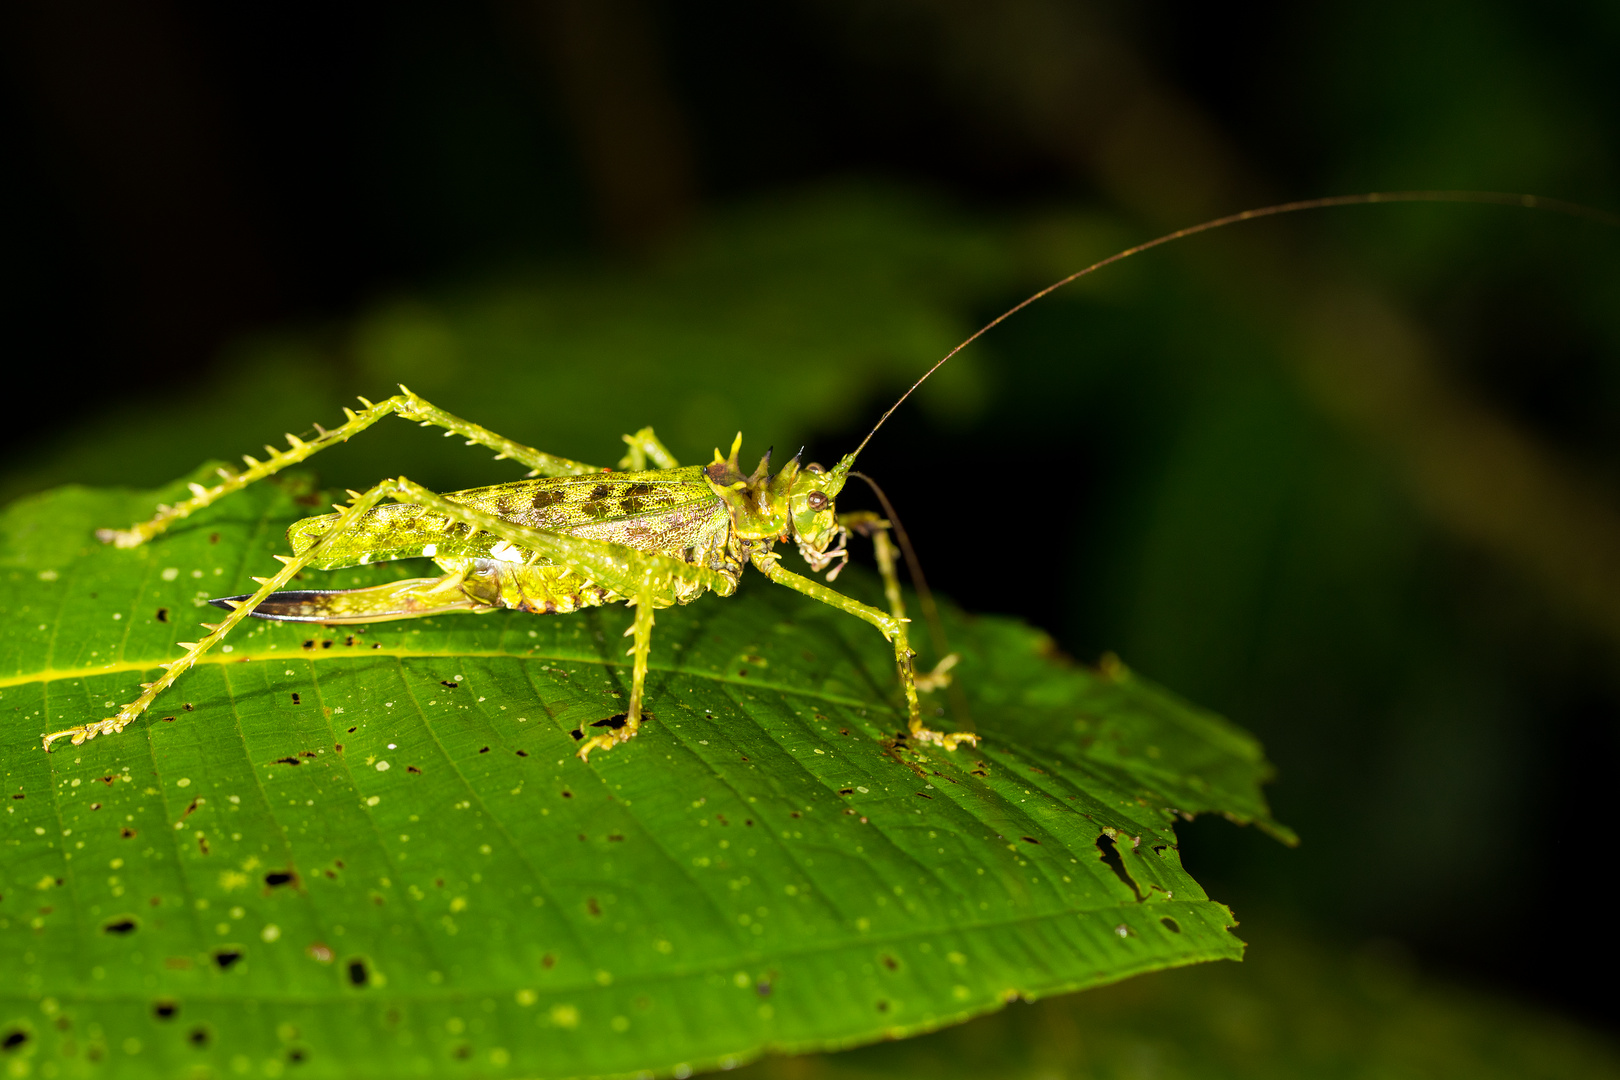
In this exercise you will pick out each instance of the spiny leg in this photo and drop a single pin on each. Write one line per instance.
(893, 628)
(112, 725)
(405, 404)
(622, 569)
(644, 447)
(642, 629)
(871, 525)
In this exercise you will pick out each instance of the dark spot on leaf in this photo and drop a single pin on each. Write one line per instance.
(327, 644)
(614, 836)
(19, 795)
(413, 769)
(358, 975)
(745, 757)
(483, 749)
(748, 821)
(338, 747)
(165, 1010)
(1171, 924)
(742, 673)
(155, 901)
(310, 644)
(226, 958)
(202, 844)
(189, 707)
(582, 838)
(162, 614)
(122, 925)
(981, 772)
(593, 907)
(213, 538)
(286, 761)
(883, 1006)
(1029, 840)
(167, 720)
(567, 794)
(297, 700)
(280, 877)
(793, 813)
(189, 810)
(890, 962)
(522, 753)
(295, 1056)
(1110, 855)
(721, 818)
(924, 794)
(198, 1037)
(353, 730)
(548, 961)
(13, 1039)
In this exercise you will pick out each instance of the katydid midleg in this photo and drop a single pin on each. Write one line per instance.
(650, 533)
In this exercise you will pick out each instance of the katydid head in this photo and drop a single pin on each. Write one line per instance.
(811, 497)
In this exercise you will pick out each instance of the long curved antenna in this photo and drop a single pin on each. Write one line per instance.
(1499, 198)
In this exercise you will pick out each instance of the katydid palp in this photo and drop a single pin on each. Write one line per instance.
(651, 533)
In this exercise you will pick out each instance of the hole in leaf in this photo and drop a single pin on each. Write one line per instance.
(358, 975)
(227, 958)
(617, 722)
(1171, 924)
(13, 1039)
(451, 685)
(577, 734)
(522, 753)
(286, 761)
(165, 1010)
(1110, 855)
(126, 832)
(121, 925)
(483, 749)
(297, 700)
(162, 614)
(280, 877)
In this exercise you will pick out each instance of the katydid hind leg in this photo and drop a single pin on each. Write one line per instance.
(405, 404)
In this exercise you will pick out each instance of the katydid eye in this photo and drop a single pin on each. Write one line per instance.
(815, 467)
(818, 500)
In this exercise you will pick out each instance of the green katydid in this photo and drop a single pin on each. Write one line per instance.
(574, 535)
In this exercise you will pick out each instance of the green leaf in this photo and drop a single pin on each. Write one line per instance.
(1294, 1009)
(375, 854)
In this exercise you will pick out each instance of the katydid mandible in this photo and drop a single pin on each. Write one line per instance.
(574, 535)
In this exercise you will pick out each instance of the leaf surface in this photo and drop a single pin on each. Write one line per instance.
(375, 854)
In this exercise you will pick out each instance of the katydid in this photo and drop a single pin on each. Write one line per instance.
(651, 533)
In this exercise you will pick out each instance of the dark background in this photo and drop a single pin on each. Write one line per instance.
(1349, 478)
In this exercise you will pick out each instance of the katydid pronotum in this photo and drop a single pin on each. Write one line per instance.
(650, 534)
